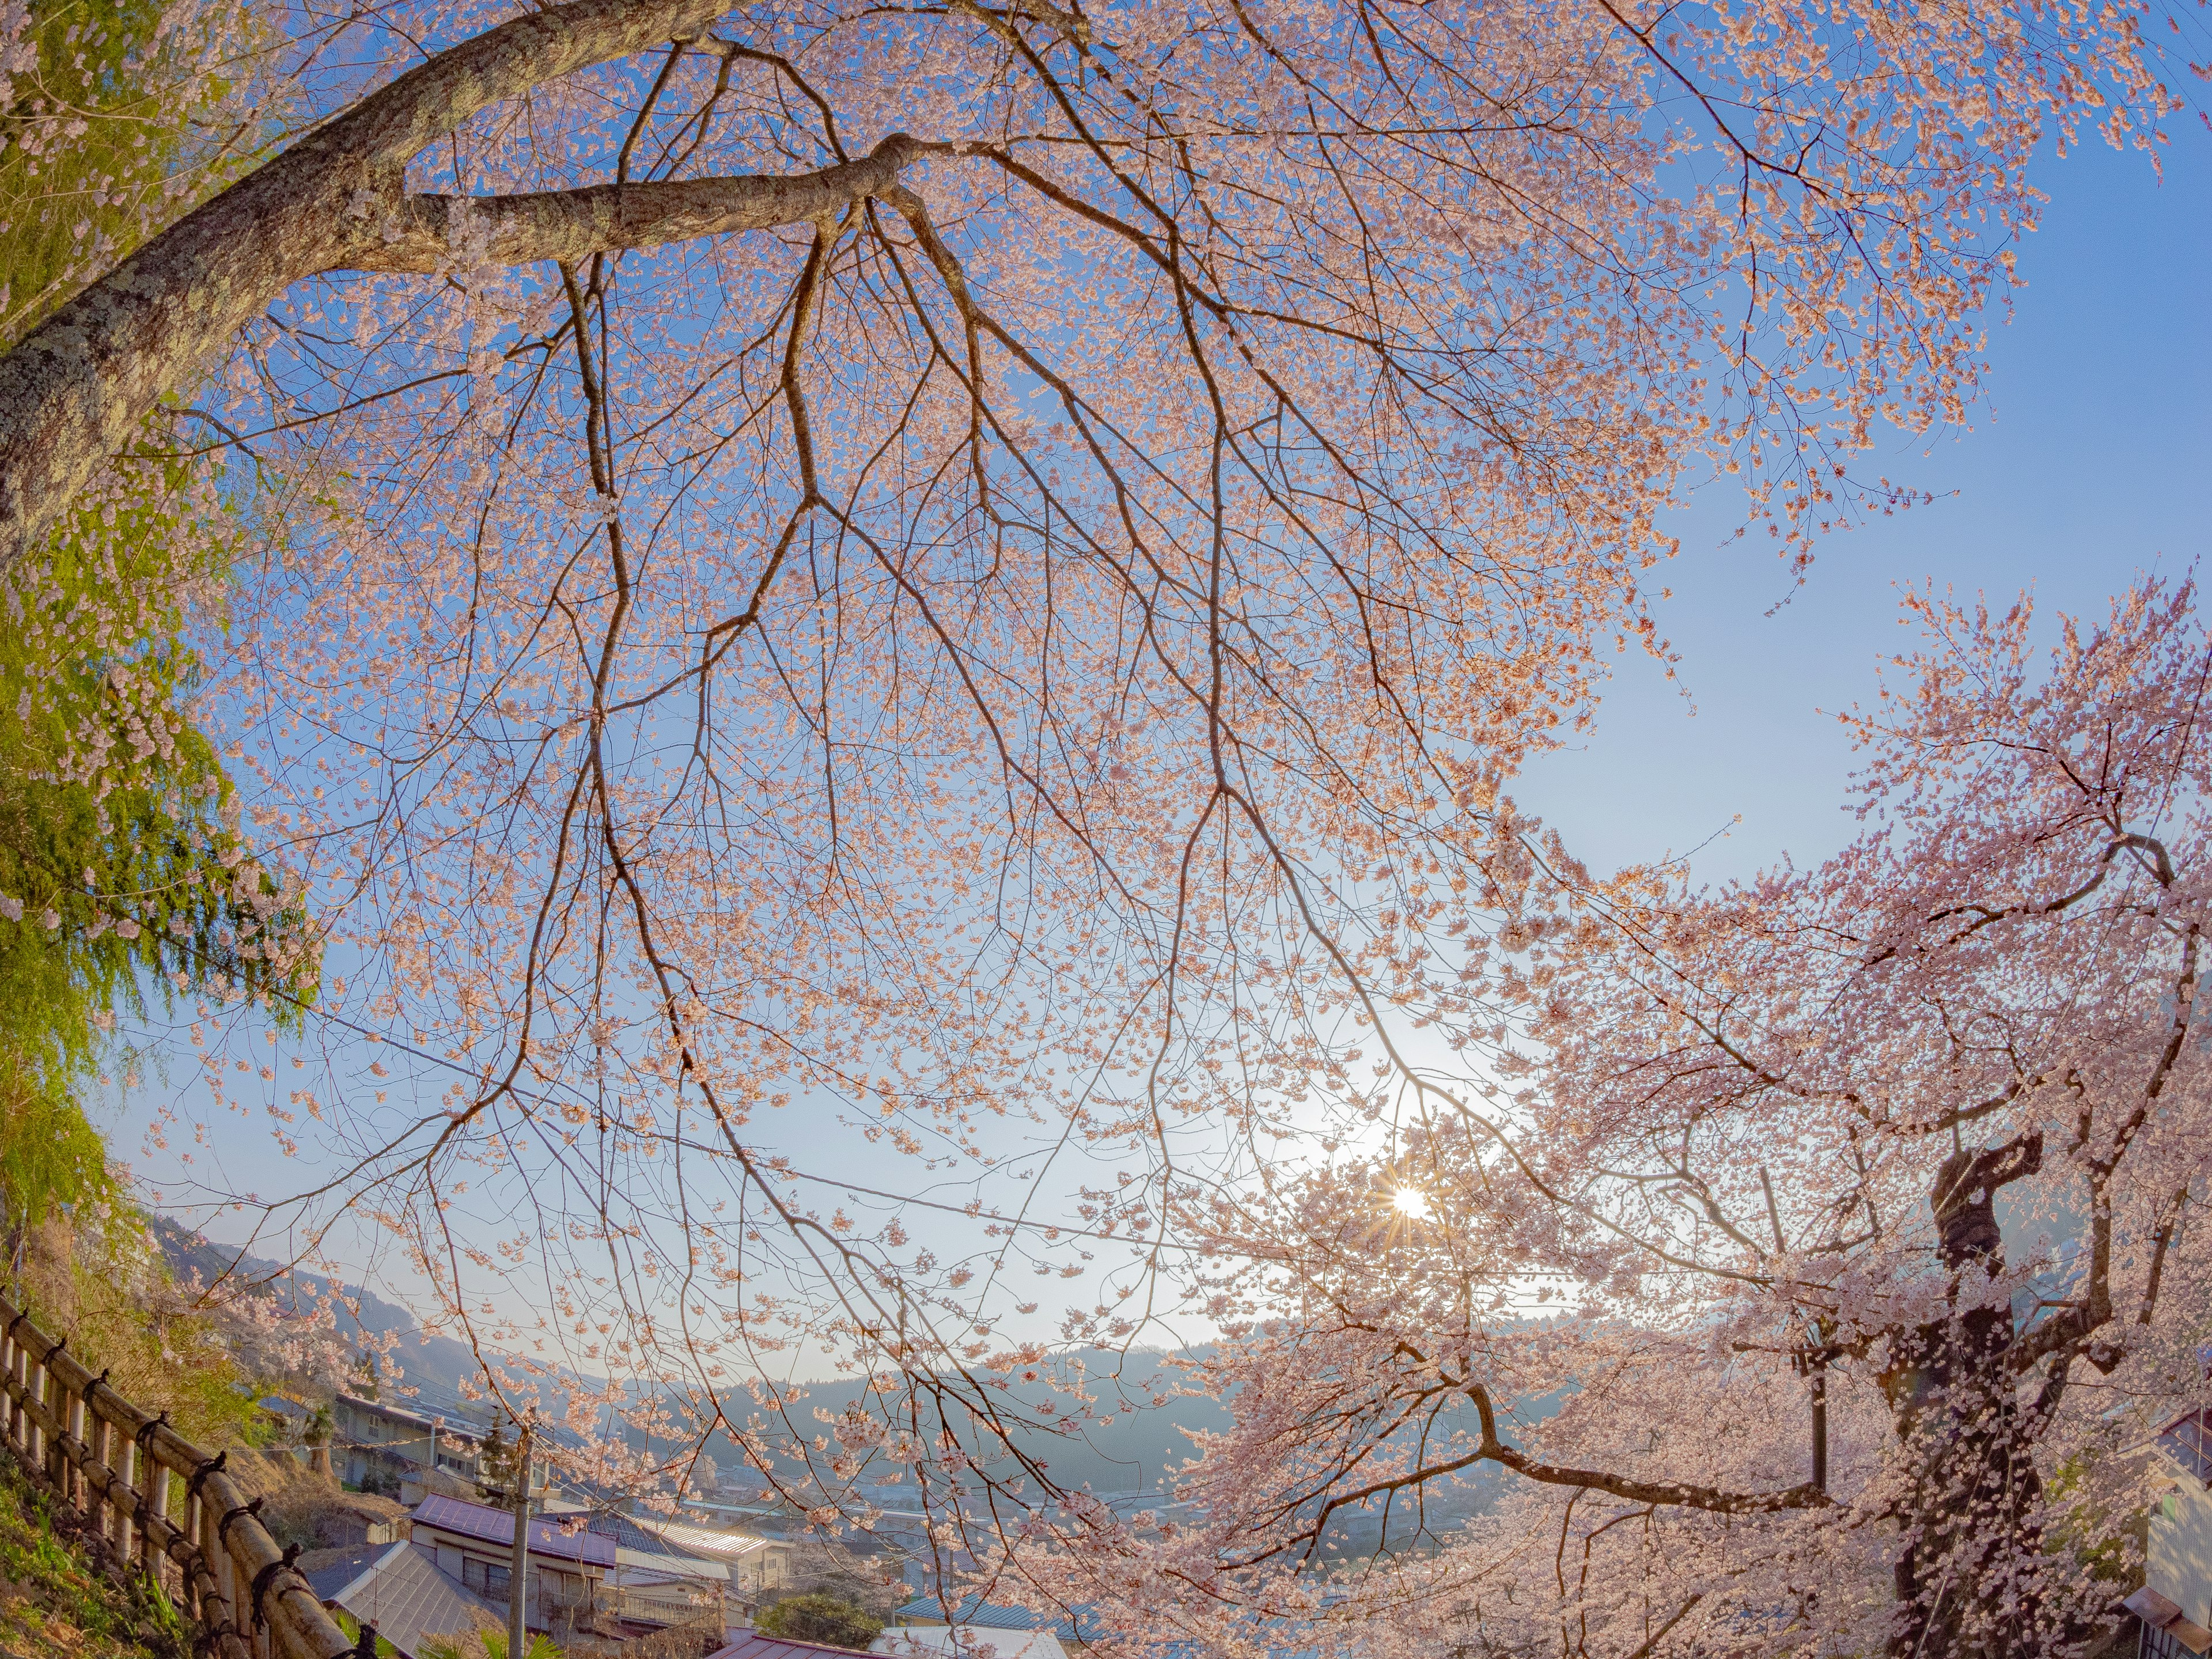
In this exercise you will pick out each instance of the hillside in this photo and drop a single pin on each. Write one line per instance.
(61, 1595)
(1126, 1456)
(433, 1365)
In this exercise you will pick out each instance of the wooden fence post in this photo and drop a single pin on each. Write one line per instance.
(89, 1448)
(94, 1433)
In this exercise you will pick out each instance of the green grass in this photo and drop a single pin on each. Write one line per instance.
(54, 1598)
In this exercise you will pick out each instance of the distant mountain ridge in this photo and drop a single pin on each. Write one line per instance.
(434, 1367)
(1126, 1456)
(1130, 1456)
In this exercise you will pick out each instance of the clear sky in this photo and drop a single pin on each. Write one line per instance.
(2088, 460)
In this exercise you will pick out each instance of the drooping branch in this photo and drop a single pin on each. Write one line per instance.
(1671, 1493)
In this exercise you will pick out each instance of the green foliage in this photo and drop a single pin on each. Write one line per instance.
(115, 840)
(495, 1461)
(351, 1626)
(486, 1644)
(368, 1378)
(74, 199)
(824, 1619)
(123, 872)
(52, 1600)
(118, 841)
(2108, 1542)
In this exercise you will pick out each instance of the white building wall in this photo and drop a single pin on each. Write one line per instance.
(2180, 1560)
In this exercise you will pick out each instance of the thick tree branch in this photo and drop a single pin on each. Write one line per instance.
(76, 389)
(433, 233)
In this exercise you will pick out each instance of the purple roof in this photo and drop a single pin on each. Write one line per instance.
(497, 1527)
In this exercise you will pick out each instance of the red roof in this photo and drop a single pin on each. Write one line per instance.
(753, 1645)
(497, 1527)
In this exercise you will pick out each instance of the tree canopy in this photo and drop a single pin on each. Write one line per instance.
(1822, 1254)
(980, 574)
(824, 1619)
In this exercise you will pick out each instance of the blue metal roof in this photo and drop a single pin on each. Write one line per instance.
(628, 1535)
(1080, 1624)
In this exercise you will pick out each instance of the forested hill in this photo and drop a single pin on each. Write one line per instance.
(1125, 1457)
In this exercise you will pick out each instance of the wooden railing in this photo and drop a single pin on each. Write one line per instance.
(658, 1604)
(160, 1502)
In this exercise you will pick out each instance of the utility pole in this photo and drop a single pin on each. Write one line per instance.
(1820, 1425)
(1818, 1363)
(517, 1577)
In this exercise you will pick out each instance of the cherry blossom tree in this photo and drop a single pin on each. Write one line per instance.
(955, 571)
(1834, 1239)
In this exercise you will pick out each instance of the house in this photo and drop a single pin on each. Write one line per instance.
(388, 1448)
(758, 1566)
(659, 1582)
(589, 1571)
(398, 1589)
(319, 1517)
(473, 1545)
(2175, 1603)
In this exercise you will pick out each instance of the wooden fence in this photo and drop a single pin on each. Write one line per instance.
(162, 1503)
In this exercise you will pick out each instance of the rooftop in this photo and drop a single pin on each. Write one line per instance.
(704, 1540)
(329, 1571)
(1078, 1624)
(400, 1591)
(753, 1645)
(967, 1641)
(493, 1526)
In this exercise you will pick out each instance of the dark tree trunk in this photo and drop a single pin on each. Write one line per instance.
(1967, 1569)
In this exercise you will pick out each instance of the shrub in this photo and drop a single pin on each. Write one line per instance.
(821, 1618)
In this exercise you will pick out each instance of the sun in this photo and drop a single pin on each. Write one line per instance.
(1411, 1202)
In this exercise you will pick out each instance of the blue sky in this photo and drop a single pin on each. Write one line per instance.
(2087, 461)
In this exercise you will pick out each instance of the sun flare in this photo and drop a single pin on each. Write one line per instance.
(1411, 1202)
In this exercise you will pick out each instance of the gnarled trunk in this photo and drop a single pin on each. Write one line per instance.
(1966, 1569)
